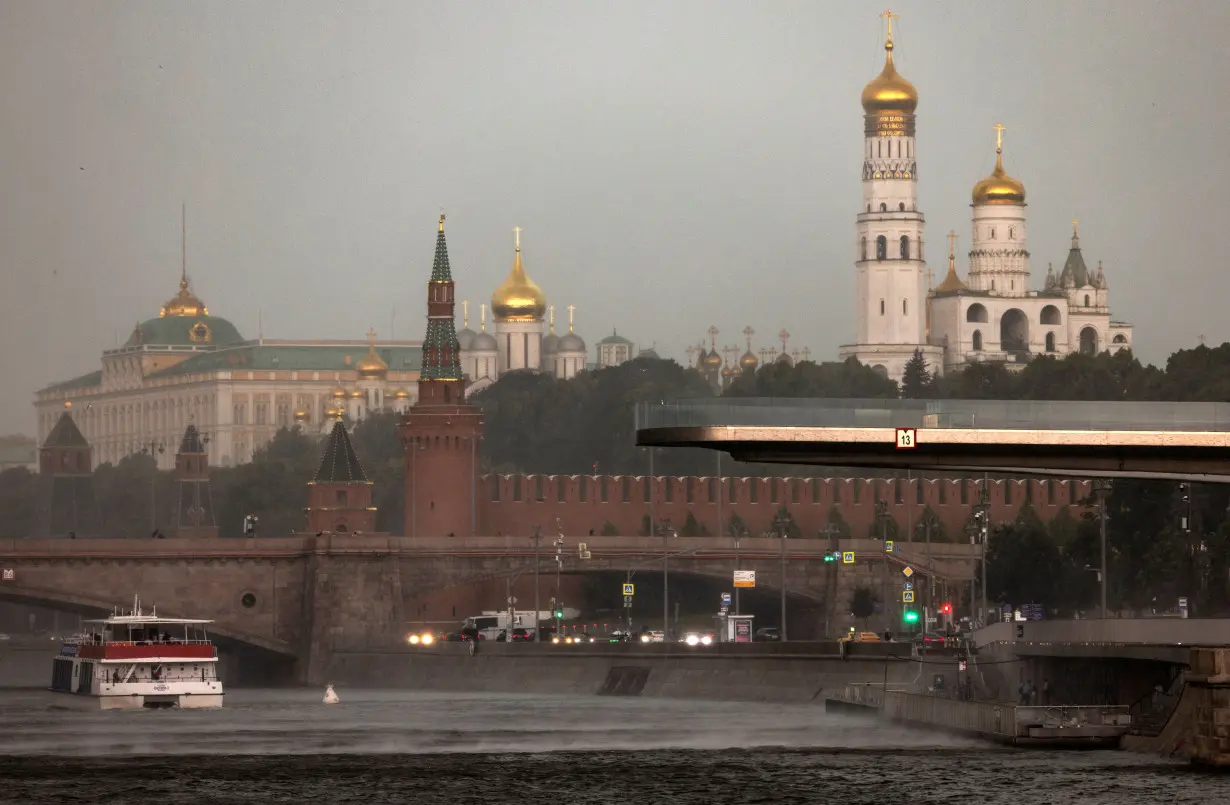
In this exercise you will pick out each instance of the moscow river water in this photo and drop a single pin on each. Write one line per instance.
(383, 747)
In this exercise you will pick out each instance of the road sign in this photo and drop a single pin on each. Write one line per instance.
(725, 599)
(906, 439)
(907, 596)
(10, 574)
(847, 558)
(907, 571)
(888, 546)
(909, 585)
(745, 578)
(627, 600)
(511, 600)
(629, 589)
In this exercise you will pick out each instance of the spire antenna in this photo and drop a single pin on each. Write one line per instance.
(183, 245)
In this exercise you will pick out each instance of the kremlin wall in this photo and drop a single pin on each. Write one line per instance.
(516, 504)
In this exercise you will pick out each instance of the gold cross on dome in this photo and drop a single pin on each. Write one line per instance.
(952, 243)
(371, 335)
(517, 237)
(999, 136)
(890, 16)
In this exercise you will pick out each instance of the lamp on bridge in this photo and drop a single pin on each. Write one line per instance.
(781, 522)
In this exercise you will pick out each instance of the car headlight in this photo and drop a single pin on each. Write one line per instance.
(428, 640)
(644, 638)
(555, 640)
(693, 640)
(414, 639)
(706, 640)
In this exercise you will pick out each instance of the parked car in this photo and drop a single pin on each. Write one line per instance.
(768, 634)
(862, 637)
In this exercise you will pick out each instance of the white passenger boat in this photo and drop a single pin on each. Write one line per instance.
(132, 660)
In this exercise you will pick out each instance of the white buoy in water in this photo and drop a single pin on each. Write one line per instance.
(330, 696)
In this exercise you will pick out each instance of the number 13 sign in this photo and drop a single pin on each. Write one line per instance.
(906, 439)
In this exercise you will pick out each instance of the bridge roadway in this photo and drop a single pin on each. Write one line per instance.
(1104, 439)
(300, 597)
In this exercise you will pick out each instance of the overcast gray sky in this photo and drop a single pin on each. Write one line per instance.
(673, 164)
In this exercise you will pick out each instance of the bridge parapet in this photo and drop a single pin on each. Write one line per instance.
(1112, 631)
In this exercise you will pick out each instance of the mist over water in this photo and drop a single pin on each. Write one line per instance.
(385, 746)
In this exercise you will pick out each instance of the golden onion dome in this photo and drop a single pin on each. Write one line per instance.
(999, 187)
(371, 364)
(302, 416)
(338, 393)
(889, 91)
(357, 394)
(184, 303)
(401, 394)
(712, 360)
(748, 361)
(518, 298)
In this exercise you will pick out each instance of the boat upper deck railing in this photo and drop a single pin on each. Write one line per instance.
(1066, 415)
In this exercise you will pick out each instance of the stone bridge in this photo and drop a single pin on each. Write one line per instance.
(301, 597)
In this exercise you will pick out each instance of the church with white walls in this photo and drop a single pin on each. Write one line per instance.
(993, 315)
(520, 342)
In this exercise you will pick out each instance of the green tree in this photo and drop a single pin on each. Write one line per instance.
(609, 529)
(273, 486)
(18, 493)
(1023, 565)
(838, 522)
(863, 603)
(135, 498)
(378, 445)
(735, 526)
(916, 378)
(849, 379)
(792, 528)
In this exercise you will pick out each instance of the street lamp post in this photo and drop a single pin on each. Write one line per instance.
(667, 532)
(153, 449)
(537, 539)
(1102, 488)
(832, 533)
(982, 514)
(781, 522)
(928, 522)
(882, 516)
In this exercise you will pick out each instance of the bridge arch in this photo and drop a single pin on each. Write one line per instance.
(96, 608)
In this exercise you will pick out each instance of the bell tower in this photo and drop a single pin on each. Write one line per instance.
(441, 432)
(340, 496)
(66, 503)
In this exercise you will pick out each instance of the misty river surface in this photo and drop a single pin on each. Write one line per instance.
(386, 746)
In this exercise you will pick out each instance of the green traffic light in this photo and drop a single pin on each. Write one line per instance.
(911, 616)
(559, 613)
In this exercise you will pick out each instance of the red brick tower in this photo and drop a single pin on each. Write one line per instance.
(66, 506)
(194, 507)
(441, 431)
(340, 496)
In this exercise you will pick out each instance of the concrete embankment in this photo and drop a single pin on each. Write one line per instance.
(26, 664)
(790, 672)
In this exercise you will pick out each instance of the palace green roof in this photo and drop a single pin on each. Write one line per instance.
(176, 331)
(322, 358)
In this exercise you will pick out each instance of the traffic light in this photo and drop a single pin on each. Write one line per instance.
(559, 613)
(910, 616)
(1020, 631)
(946, 609)
(830, 557)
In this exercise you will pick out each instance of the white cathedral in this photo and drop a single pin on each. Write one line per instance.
(518, 310)
(992, 316)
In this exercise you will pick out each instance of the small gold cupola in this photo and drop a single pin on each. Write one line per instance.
(372, 365)
(999, 187)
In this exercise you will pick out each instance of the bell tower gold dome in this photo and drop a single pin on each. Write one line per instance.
(518, 298)
(889, 92)
(999, 187)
